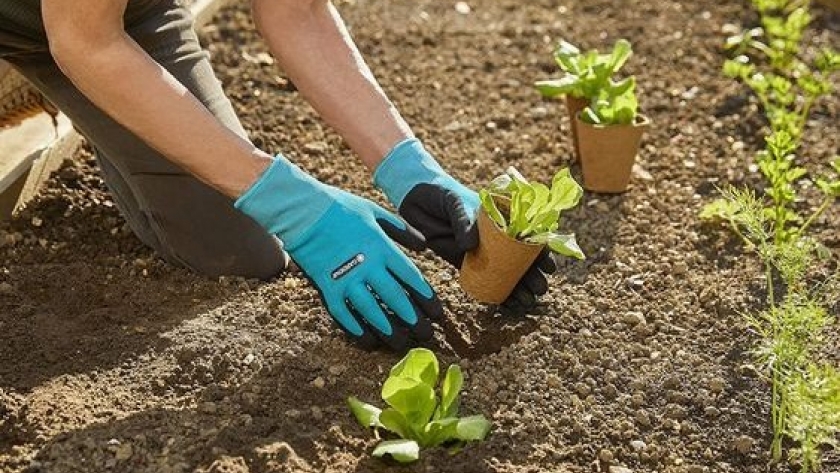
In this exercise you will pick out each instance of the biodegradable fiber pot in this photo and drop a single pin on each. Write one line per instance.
(607, 153)
(491, 271)
(575, 105)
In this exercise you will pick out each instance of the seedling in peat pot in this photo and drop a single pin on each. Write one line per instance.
(587, 74)
(610, 132)
(518, 220)
(416, 414)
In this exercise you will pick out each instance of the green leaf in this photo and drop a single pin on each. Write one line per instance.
(829, 188)
(542, 194)
(488, 203)
(472, 428)
(420, 364)
(366, 414)
(565, 191)
(589, 116)
(620, 54)
(565, 245)
(440, 431)
(450, 391)
(413, 398)
(393, 421)
(569, 85)
(403, 451)
(720, 209)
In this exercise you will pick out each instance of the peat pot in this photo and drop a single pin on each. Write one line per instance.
(491, 271)
(607, 153)
(575, 105)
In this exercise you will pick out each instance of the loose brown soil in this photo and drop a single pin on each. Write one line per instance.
(111, 360)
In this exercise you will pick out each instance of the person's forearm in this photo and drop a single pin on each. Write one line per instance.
(120, 78)
(312, 44)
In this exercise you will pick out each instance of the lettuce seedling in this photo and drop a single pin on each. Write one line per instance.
(616, 105)
(416, 414)
(587, 74)
(532, 210)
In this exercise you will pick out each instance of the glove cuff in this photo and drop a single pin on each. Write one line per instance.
(286, 201)
(405, 166)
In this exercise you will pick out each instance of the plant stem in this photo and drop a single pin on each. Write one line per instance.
(747, 243)
(768, 270)
(822, 208)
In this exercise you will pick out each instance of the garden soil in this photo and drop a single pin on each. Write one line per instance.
(636, 361)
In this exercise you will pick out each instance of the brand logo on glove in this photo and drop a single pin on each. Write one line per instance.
(348, 266)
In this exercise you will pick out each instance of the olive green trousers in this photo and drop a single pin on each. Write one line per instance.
(184, 220)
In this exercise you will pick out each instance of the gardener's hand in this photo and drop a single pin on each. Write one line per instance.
(342, 243)
(444, 211)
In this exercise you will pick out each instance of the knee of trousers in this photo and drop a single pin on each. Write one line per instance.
(260, 257)
(197, 227)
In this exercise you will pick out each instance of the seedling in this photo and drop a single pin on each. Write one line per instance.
(616, 105)
(814, 414)
(805, 404)
(533, 210)
(587, 74)
(417, 414)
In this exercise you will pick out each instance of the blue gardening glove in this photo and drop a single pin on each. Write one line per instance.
(444, 211)
(344, 245)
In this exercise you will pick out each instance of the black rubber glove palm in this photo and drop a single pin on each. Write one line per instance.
(444, 210)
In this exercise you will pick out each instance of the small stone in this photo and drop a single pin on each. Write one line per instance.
(641, 173)
(620, 469)
(675, 411)
(638, 445)
(583, 389)
(317, 413)
(712, 412)
(717, 385)
(454, 126)
(37, 222)
(249, 358)
(124, 452)
(634, 318)
(315, 148)
(463, 8)
(208, 407)
(292, 413)
(606, 456)
(743, 444)
(319, 382)
(539, 112)
(554, 381)
(336, 370)
(636, 281)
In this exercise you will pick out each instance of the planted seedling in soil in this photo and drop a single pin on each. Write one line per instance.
(422, 412)
(518, 220)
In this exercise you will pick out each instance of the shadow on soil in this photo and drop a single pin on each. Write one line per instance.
(484, 332)
(277, 421)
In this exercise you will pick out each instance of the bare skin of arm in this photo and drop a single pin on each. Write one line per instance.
(312, 44)
(125, 82)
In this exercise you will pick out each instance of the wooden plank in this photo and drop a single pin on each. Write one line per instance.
(30, 151)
